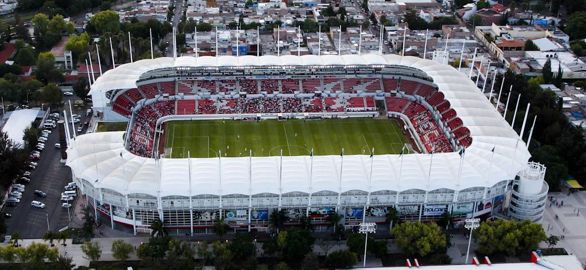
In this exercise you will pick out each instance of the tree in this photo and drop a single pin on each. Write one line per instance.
(88, 222)
(50, 236)
(222, 256)
(106, 21)
(52, 94)
(180, 255)
(508, 237)
(552, 241)
(419, 239)
(530, 46)
(15, 237)
(310, 262)
(298, 243)
(546, 72)
(30, 139)
(12, 161)
(482, 4)
(576, 25)
(220, 227)
(78, 45)
(559, 77)
(64, 263)
(158, 228)
(334, 220)
(46, 71)
(25, 56)
(242, 247)
(92, 250)
(277, 219)
(392, 217)
(37, 253)
(81, 88)
(342, 259)
(47, 32)
(121, 250)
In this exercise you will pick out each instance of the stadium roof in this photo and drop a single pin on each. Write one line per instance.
(496, 153)
(18, 121)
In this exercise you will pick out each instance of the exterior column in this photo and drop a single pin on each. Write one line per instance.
(134, 221)
(95, 209)
(249, 218)
(191, 221)
(421, 211)
(111, 217)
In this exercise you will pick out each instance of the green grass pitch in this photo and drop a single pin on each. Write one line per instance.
(206, 138)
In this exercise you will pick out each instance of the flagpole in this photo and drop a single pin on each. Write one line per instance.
(112, 53)
(404, 36)
(479, 71)
(340, 41)
(496, 105)
(258, 41)
(507, 104)
(515, 113)
(319, 39)
(237, 40)
(340, 179)
(98, 56)
(360, 41)
(130, 45)
(195, 37)
(472, 65)
(462, 55)
(424, 46)
(531, 131)
(151, 39)
(491, 87)
(278, 40)
(525, 120)
(91, 66)
(380, 41)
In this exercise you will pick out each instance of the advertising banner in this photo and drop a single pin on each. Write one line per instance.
(236, 215)
(354, 213)
(462, 209)
(321, 212)
(259, 214)
(295, 213)
(377, 211)
(408, 210)
(434, 210)
(483, 207)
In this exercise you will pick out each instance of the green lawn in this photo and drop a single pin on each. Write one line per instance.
(205, 138)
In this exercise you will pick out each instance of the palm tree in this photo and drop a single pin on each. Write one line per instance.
(392, 217)
(158, 228)
(15, 238)
(50, 236)
(63, 237)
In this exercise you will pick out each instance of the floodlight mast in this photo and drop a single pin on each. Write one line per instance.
(471, 224)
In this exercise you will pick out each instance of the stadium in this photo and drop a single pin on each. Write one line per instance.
(240, 137)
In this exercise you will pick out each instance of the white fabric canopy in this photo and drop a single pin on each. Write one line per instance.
(497, 153)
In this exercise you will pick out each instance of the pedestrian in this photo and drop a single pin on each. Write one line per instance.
(562, 203)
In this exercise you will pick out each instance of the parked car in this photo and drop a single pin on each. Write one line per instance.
(25, 179)
(66, 205)
(79, 129)
(58, 145)
(66, 198)
(42, 139)
(7, 215)
(18, 188)
(18, 185)
(33, 163)
(26, 173)
(40, 193)
(37, 204)
(68, 94)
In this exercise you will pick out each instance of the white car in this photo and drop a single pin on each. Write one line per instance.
(37, 204)
(46, 131)
(42, 139)
(68, 94)
(27, 174)
(32, 163)
(66, 198)
(79, 129)
(66, 205)
(15, 193)
(58, 145)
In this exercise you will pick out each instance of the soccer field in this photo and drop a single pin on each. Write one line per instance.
(204, 138)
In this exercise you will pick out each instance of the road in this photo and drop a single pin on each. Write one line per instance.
(50, 176)
(178, 13)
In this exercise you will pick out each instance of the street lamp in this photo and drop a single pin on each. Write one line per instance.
(365, 228)
(471, 224)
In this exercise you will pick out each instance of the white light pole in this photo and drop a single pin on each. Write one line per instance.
(365, 228)
(471, 224)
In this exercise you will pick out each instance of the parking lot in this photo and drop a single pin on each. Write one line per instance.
(50, 176)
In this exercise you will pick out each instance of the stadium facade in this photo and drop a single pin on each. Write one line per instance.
(472, 163)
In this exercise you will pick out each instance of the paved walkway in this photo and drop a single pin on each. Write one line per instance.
(569, 223)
